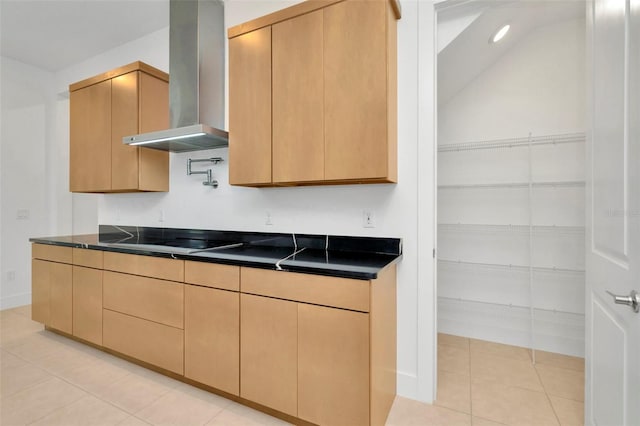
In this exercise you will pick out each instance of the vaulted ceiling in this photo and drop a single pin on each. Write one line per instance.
(464, 31)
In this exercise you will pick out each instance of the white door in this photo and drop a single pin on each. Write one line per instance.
(613, 214)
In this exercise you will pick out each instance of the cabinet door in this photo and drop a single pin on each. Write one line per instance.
(90, 138)
(61, 297)
(298, 99)
(333, 366)
(355, 90)
(87, 304)
(40, 291)
(124, 122)
(212, 337)
(250, 108)
(268, 352)
(153, 164)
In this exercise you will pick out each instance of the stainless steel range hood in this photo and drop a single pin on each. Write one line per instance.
(196, 80)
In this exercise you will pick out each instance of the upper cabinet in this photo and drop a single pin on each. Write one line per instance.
(103, 109)
(313, 96)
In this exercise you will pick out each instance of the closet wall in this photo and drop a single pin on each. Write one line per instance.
(511, 197)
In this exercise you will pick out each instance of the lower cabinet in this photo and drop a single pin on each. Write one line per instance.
(211, 337)
(308, 361)
(322, 349)
(333, 366)
(269, 352)
(52, 294)
(87, 304)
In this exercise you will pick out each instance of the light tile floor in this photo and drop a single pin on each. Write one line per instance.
(46, 379)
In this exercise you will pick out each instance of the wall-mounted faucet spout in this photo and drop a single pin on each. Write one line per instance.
(209, 181)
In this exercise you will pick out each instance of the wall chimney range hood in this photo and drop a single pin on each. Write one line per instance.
(196, 80)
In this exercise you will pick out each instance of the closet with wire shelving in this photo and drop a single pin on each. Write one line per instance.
(510, 168)
(511, 241)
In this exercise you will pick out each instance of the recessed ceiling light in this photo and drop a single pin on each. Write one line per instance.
(500, 34)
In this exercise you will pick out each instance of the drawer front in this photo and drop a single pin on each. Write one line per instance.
(53, 253)
(154, 343)
(88, 258)
(328, 291)
(155, 300)
(148, 266)
(225, 277)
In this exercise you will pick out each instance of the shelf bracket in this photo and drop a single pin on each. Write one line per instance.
(208, 172)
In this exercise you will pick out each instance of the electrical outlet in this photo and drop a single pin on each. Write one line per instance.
(268, 219)
(161, 216)
(368, 219)
(11, 275)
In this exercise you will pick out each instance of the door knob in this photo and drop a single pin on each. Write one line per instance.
(632, 300)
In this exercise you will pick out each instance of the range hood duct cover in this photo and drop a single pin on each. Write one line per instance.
(196, 80)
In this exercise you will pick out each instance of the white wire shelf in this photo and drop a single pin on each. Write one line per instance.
(508, 305)
(469, 227)
(518, 268)
(514, 142)
(517, 185)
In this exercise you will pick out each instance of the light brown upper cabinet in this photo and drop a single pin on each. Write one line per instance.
(250, 121)
(313, 96)
(103, 109)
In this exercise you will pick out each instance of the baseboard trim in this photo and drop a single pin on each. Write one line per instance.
(15, 301)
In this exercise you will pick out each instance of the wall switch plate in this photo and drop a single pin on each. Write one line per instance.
(11, 275)
(268, 219)
(22, 214)
(368, 219)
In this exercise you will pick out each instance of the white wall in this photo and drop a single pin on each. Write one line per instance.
(538, 86)
(319, 210)
(28, 121)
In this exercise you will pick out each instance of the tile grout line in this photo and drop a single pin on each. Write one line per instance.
(91, 359)
(547, 395)
(57, 409)
(88, 392)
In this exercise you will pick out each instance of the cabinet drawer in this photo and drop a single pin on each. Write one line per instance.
(225, 277)
(148, 266)
(53, 253)
(88, 258)
(148, 298)
(328, 291)
(154, 343)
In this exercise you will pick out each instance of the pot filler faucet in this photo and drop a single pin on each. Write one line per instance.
(209, 181)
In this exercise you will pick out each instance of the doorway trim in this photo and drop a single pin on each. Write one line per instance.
(427, 198)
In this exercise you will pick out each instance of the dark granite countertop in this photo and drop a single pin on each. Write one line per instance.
(338, 256)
